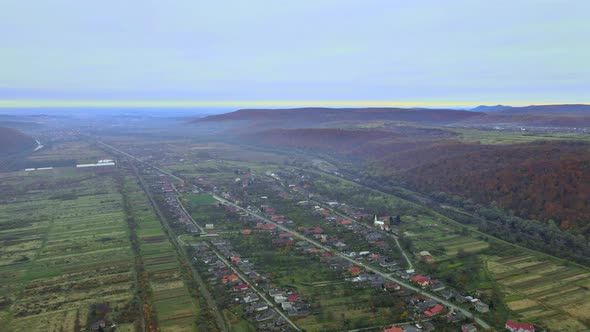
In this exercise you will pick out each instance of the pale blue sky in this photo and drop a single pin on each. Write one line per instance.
(437, 51)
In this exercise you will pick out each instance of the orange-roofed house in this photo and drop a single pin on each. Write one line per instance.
(229, 278)
(345, 222)
(421, 280)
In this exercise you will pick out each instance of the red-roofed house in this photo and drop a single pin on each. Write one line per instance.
(354, 271)
(421, 280)
(392, 287)
(316, 230)
(437, 309)
(235, 259)
(292, 298)
(246, 231)
(515, 327)
(285, 235)
(344, 222)
(394, 329)
(241, 287)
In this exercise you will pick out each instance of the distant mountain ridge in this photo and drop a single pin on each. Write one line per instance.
(581, 109)
(573, 115)
(484, 108)
(319, 115)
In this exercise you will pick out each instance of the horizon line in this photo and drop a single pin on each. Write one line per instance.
(252, 103)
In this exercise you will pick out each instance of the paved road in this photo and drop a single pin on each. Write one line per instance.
(402, 283)
(319, 245)
(342, 215)
(246, 280)
(202, 287)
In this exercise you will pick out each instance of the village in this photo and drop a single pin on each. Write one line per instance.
(341, 229)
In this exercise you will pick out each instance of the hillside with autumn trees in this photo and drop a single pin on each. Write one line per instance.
(541, 180)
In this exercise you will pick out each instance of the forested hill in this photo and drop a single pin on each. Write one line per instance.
(313, 116)
(14, 141)
(569, 116)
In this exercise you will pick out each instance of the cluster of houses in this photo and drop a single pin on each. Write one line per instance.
(248, 290)
(173, 205)
(374, 233)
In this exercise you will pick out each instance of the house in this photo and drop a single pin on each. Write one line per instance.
(286, 306)
(421, 280)
(230, 278)
(344, 222)
(265, 316)
(373, 237)
(392, 287)
(482, 307)
(292, 298)
(260, 306)
(251, 298)
(209, 226)
(241, 287)
(354, 271)
(280, 299)
(246, 231)
(516, 327)
(468, 328)
(426, 257)
(394, 329)
(437, 309)
(282, 242)
(316, 230)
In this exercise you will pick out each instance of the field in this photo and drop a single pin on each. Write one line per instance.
(544, 292)
(441, 240)
(173, 304)
(65, 259)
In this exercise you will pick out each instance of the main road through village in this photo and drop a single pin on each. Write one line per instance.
(386, 276)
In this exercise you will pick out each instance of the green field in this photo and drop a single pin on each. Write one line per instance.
(173, 304)
(544, 292)
(64, 248)
(201, 199)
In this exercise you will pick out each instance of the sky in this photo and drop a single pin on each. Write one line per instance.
(282, 53)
